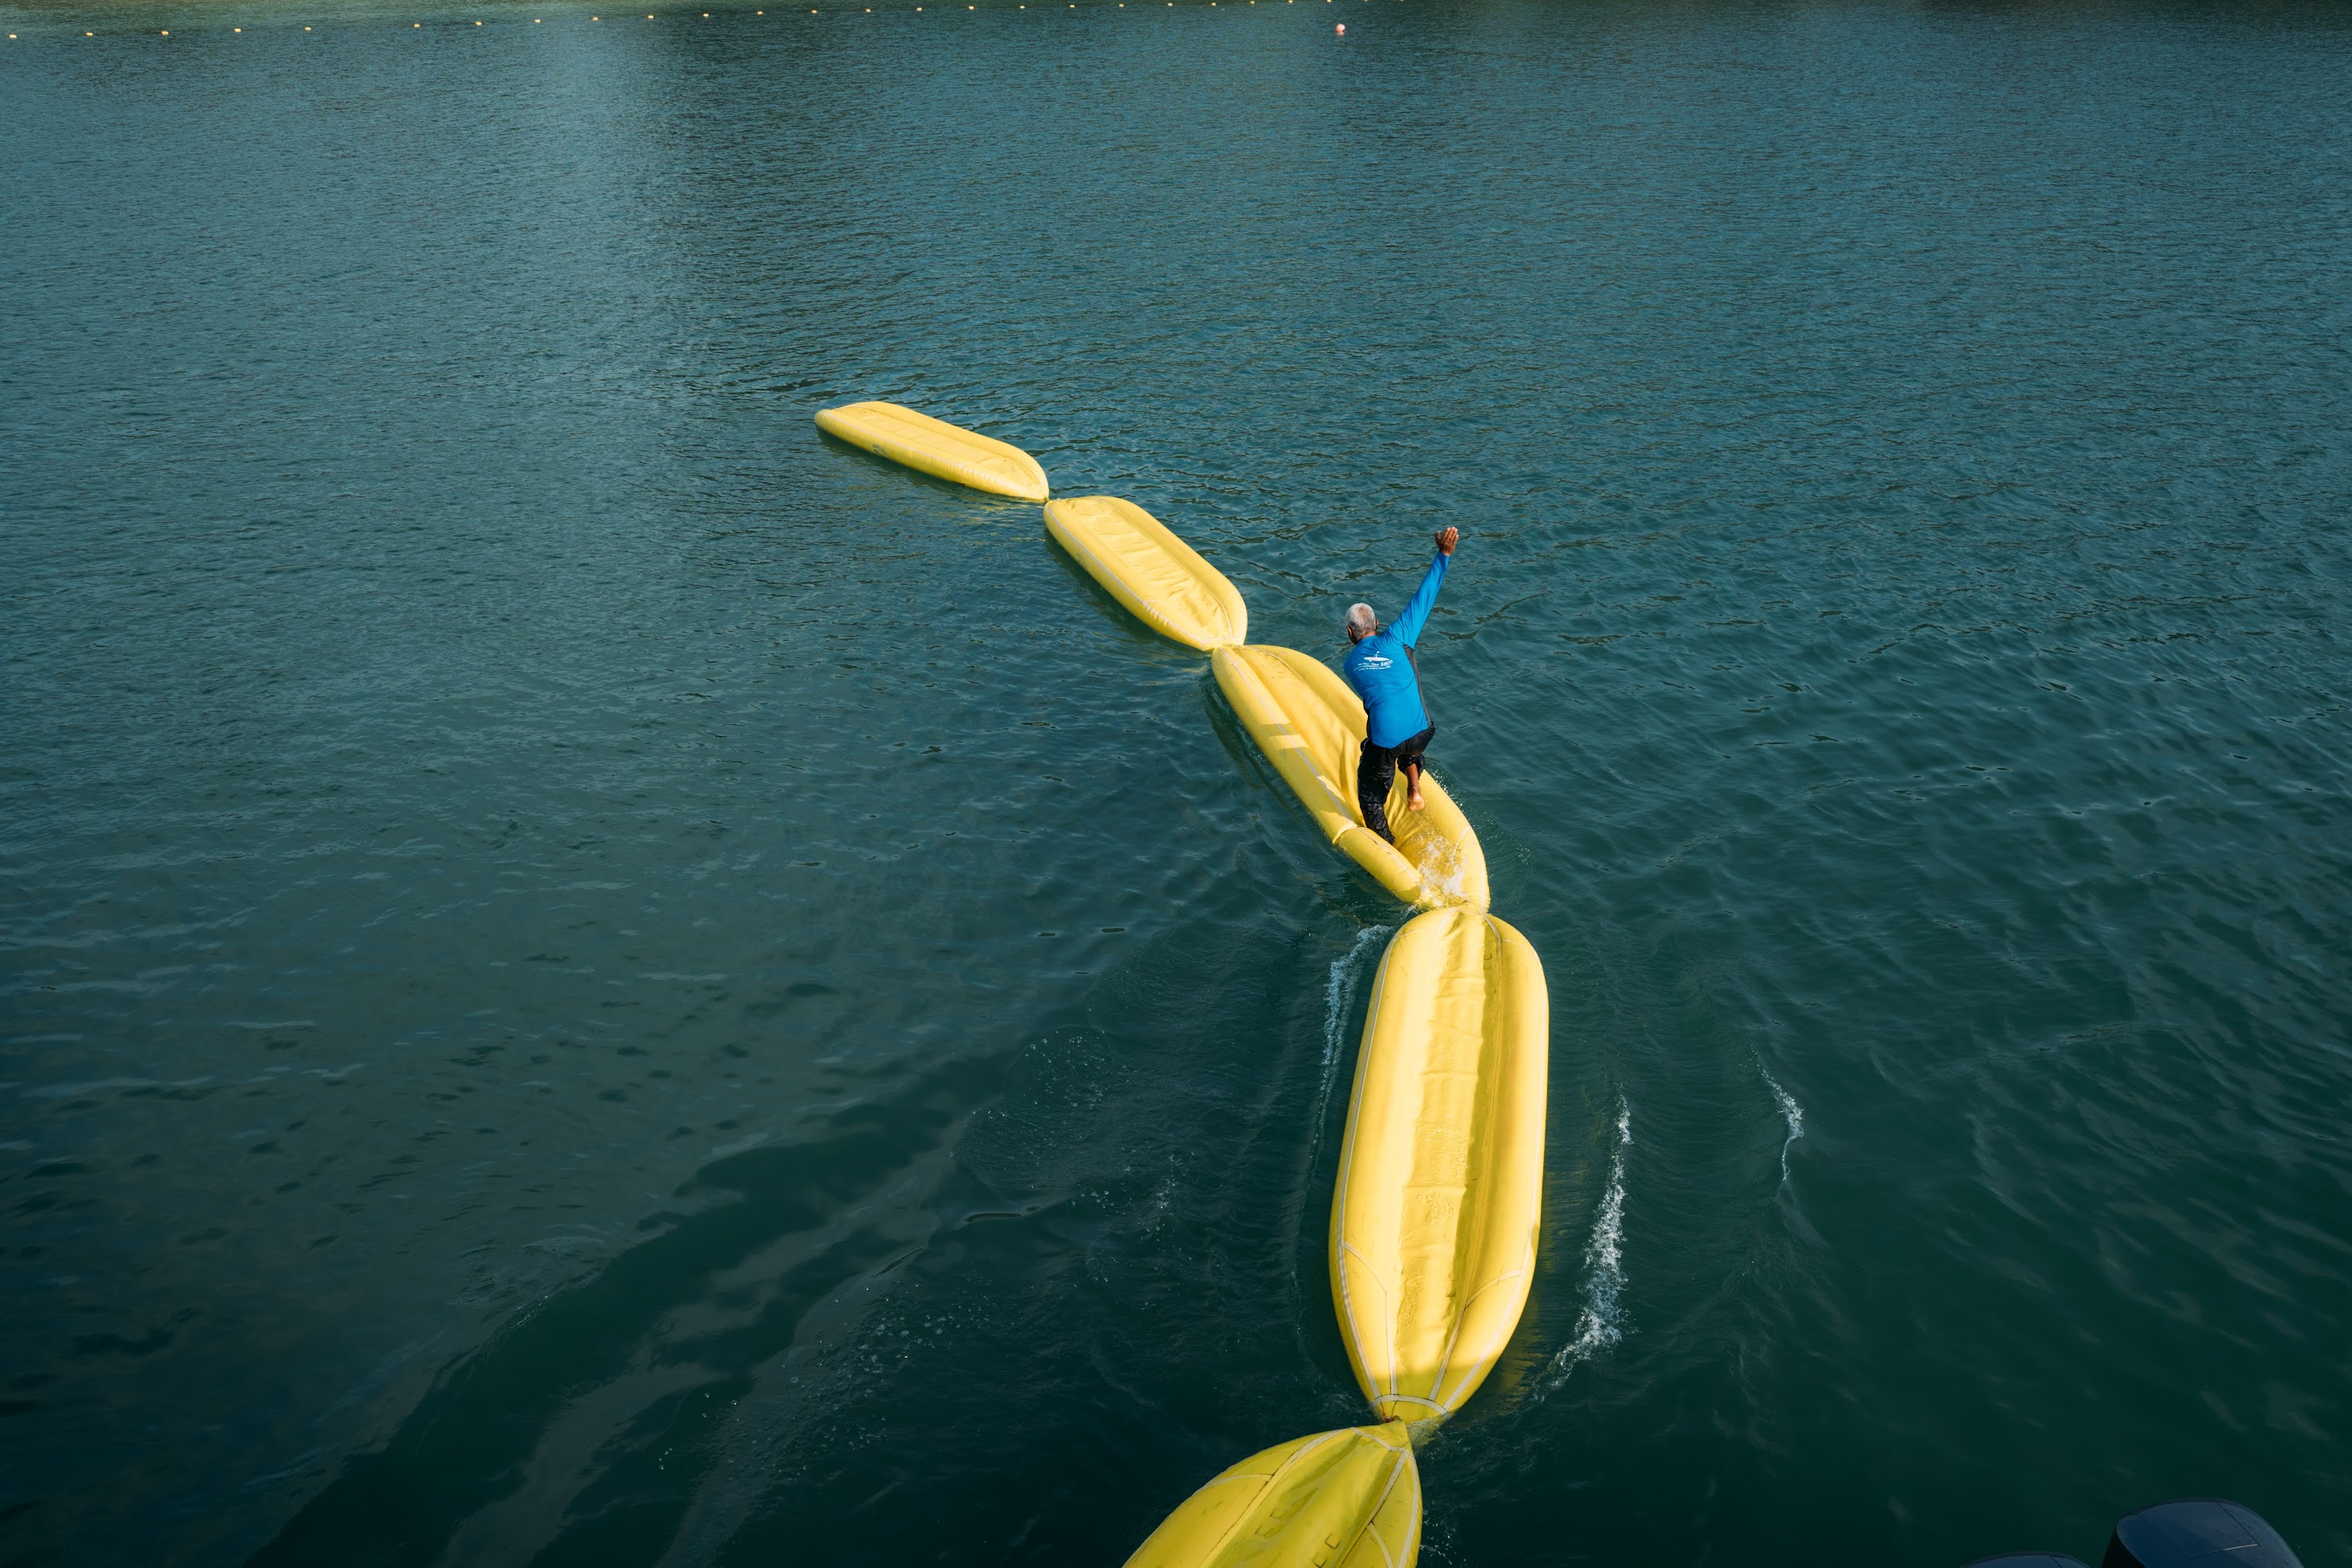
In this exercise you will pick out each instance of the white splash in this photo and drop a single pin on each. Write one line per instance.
(1602, 1322)
(1440, 868)
(1339, 999)
(1791, 1112)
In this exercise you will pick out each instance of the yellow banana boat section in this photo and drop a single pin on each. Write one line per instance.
(936, 447)
(1309, 725)
(1161, 580)
(1350, 1499)
(1441, 1179)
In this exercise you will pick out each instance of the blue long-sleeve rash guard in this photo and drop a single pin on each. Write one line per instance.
(1381, 674)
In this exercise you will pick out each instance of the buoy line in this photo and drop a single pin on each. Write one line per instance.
(1438, 1201)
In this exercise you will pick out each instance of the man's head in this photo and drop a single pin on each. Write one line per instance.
(1361, 623)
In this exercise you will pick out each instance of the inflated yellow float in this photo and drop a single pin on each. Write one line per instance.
(936, 447)
(1350, 1499)
(1161, 580)
(1439, 1195)
(1310, 726)
(1441, 1176)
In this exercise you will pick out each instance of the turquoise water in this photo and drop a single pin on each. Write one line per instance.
(593, 977)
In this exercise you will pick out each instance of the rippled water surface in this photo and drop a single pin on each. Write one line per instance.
(593, 977)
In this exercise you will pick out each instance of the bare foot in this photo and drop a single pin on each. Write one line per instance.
(1414, 800)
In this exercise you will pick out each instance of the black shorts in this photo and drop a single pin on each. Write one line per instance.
(1376, 775)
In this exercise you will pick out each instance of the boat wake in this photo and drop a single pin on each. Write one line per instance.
(1602, 1322)
(1791, 1112)
(1339, 1001)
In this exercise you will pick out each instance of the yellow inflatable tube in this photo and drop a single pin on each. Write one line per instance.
(1309, 725)
(1350, 1499)
(1161, 580)
(1441, 1178)
(936, 447)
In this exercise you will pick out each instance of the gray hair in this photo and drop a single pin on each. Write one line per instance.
(1361, 619)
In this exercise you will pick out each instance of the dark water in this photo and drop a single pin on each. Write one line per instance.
(593, 978)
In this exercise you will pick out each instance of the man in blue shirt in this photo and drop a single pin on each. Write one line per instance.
(1380, 667)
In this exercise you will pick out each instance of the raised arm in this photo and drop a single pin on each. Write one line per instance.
(1424, 598)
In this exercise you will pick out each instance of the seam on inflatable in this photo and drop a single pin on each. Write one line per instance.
(1341, 1251)
(1268, 1484)
(1388, 1295)
(1330, 791)
(1299, 743)
(1466, 1219)
(1484, 1362)
(1372, 1520)
(1190, 559)
(1137, 604)
(1412, 1538)
(1445, 1357)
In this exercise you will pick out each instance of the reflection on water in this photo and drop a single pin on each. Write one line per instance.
(590, 975)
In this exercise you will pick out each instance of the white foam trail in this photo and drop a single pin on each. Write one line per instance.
(1602, 1322)
(1339, 997)
(1791, 1112)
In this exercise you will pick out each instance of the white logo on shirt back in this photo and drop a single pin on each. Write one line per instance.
(1378, 661)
